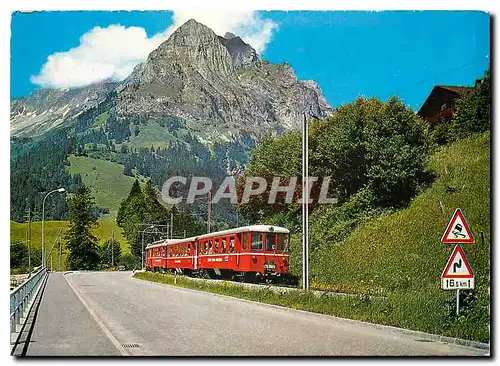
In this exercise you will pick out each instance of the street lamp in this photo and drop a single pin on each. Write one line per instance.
(60, 190)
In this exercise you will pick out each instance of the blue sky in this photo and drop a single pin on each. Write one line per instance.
(347, 53)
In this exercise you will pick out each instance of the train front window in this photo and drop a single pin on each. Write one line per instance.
(256, 241)
(282, 242)
(269, 241)
(245, 241)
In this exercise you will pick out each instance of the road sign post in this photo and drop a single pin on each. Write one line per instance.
(457, 274)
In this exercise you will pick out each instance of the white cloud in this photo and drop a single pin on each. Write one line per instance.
(113, 52)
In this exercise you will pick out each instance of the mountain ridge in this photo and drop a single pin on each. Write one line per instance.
(217, 85)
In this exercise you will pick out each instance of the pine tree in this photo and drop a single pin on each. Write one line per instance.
(130, 216)
(82, 244)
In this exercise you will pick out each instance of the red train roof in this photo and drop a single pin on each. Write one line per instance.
(243, 229)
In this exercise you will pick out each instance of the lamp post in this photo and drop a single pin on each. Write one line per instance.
(60, 190)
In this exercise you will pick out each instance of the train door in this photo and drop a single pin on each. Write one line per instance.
(269, 252)
(196, 255)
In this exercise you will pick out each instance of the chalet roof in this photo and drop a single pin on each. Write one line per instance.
(437, 92)
(461, 90)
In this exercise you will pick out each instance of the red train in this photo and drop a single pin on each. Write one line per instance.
(250, 252)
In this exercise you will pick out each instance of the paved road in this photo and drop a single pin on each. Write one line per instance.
(64, 327)
(160, 320)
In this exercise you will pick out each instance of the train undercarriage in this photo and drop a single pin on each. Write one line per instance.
(230, 275)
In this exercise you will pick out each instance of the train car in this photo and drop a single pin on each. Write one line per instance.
(257, 251)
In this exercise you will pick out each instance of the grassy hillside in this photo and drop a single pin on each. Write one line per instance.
(102, 232)
(109, 187)
(399, 254)
(105, 178)
(151, 134)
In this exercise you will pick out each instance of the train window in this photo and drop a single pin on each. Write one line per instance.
(256, 241)
(245, 241)
(270, 241)
(224, 245)
(231, 245)
(282, 242)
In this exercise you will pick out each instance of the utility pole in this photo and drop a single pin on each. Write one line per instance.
(171, 225)
(28, 240)
(142, 253)
(305, 206)
(27, 243)
(112, 247)
(209, 209)
(60, 255)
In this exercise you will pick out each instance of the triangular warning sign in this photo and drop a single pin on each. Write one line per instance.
(457, 266)
(458, 231)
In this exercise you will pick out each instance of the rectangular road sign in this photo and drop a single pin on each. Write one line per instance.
(457, 283)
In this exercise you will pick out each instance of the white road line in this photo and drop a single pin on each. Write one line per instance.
(106, 331)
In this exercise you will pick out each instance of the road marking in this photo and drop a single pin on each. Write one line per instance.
(106, 331)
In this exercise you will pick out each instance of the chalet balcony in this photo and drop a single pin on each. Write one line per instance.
(445, 113)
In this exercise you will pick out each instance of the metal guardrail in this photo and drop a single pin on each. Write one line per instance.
(21, 296)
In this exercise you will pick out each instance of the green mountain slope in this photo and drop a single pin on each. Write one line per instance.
(399, 254)
(106, 179)
(102, 232)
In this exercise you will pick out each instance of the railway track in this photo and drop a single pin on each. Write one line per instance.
(276, 287)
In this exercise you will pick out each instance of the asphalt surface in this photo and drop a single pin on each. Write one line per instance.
(64, 327)
(134, 317)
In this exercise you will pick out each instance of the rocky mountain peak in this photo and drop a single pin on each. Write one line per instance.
(192, 33)
(192, 46)
(229, 35)
(217, 86)
(242, 54)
